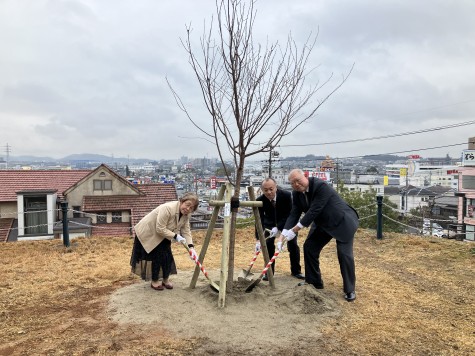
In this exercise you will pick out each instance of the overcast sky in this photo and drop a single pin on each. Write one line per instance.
(88, 76)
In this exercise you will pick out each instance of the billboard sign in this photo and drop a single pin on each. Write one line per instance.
(468, 158)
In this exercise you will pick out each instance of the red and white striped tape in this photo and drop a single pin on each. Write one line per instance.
(198, 263)
(270, 263)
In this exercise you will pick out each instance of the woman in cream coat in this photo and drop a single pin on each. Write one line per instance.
(152, 256)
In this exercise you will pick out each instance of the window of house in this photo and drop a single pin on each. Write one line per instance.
(97, 184)
(102, 218)
(116, 216)
(468, 182)
(76, 211)
(35, 215)
(100, 184)
(107, 184)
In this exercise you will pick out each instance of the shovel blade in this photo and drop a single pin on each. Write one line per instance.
(245, 275)
(247, 279)
(251, 286)
(214, 288)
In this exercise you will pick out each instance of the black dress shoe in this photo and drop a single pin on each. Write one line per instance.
(299, 276)
(350, 296)
(265, 278)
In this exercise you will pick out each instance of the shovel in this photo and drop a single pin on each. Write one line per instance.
(264, 271)
(213, 285)
(247, 272)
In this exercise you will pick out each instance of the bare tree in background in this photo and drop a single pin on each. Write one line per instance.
(256, 95)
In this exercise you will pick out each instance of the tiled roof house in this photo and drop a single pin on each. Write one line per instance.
(100, 202)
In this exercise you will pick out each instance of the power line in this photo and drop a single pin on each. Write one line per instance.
(386, 136)
(406, 151)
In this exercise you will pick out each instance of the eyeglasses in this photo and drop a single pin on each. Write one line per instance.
(188, 206)
(296, 181)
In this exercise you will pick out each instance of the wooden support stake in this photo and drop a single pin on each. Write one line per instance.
(241, 203)
(207, 239)
(260, 234)
(225, 248)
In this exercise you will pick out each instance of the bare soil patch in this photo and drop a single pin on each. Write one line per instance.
(414, 296)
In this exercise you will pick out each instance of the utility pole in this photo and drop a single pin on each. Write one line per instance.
(7, 151)
(272, 154)
(337, 175)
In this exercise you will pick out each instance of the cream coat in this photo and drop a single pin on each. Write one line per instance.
(163, 223)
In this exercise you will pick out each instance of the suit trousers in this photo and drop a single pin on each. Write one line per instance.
(317, 239)
(294, 254)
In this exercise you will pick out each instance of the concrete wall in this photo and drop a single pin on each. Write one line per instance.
(8, 210)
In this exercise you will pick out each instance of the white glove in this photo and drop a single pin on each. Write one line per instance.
(288, 234)
(280, 246)
(193, 255)
(258, 246)
(274, 231)
(180, 239)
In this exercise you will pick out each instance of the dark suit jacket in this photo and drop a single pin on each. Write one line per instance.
(271, 217)
(325, 208)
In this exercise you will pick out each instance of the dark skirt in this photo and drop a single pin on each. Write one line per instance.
(157, 264)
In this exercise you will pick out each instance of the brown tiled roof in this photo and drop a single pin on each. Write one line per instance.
(5, 225)
(12, 181)
(138, 205)
(156, 194)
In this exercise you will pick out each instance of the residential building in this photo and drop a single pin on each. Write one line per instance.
(466, 194)
(99, 201)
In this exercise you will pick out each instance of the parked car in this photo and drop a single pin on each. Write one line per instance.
(435, 232)
(435, 226)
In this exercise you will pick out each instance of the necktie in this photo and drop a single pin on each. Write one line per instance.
(275, 213)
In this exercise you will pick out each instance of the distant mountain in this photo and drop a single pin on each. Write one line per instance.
(92, 157)
(309, 157)
(31, 159)
(385, 158)
(88, 157)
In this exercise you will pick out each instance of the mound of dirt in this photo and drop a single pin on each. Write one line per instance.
(249, 322)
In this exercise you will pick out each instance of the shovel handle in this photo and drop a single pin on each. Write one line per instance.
(272, 259)
(196, 261)
(213, 285)
(254, 258)
(264, 271)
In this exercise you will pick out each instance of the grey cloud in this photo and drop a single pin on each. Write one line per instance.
(92, 73)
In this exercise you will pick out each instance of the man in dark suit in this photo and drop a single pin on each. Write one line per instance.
(276, 206)
(331, 217)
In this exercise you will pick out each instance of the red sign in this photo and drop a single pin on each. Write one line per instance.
(212, 182)
(413, 157)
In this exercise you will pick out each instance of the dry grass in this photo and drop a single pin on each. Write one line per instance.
(415, 297)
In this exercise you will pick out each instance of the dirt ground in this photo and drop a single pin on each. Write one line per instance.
(414, 297)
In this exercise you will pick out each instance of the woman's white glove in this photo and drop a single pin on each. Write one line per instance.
(180, 239)
(258, 246)
(274, 231)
